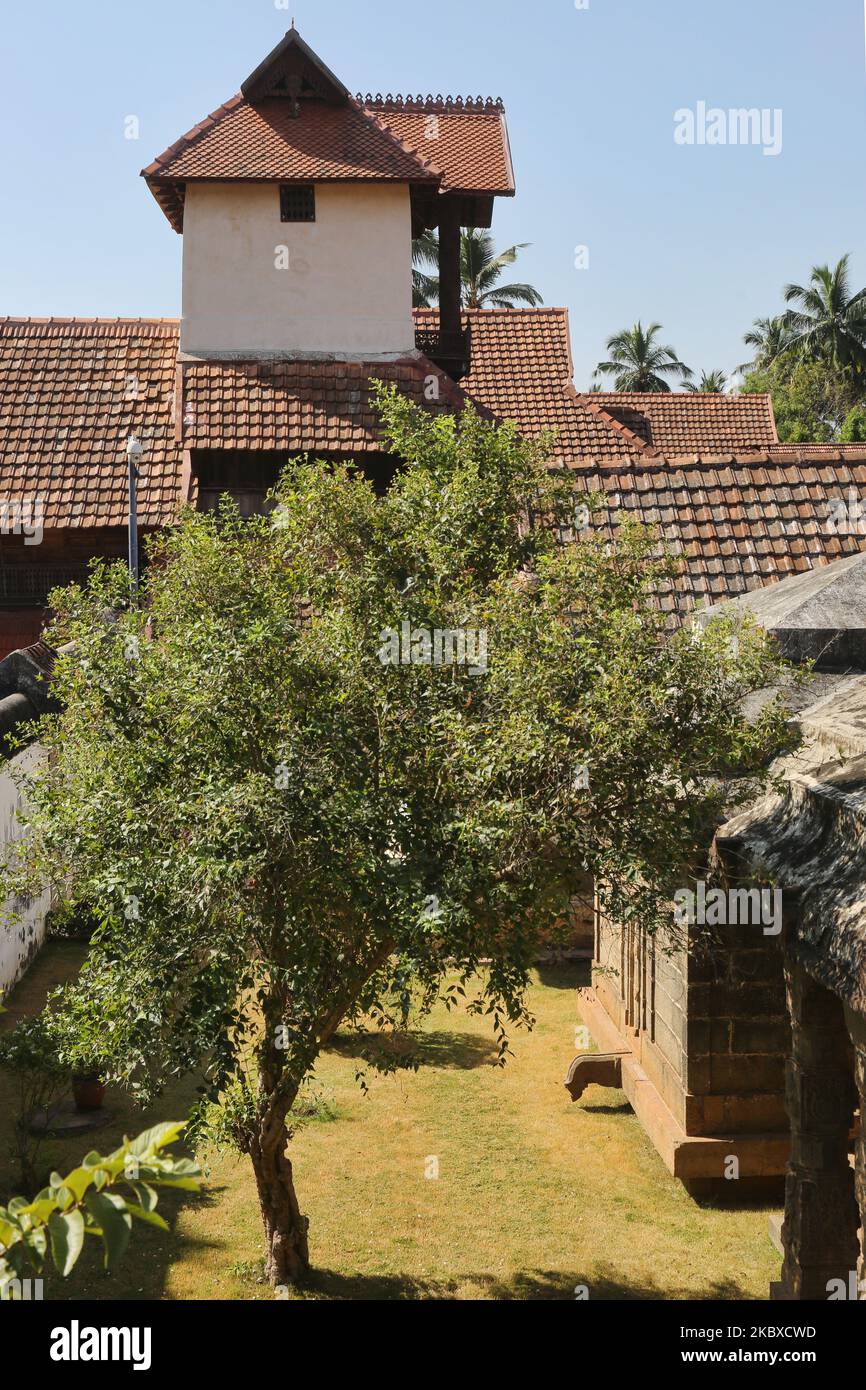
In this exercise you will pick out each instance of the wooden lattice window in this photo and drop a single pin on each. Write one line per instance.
(297, 202)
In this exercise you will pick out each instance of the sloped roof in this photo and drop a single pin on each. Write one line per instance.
(737, 521)
(808, 837)
(467, 139)
(680, 422)
(294, 121)
(297, 406)
(819, 615)
(521, 369)
(830, 596)
(71, 392)
(266, 143)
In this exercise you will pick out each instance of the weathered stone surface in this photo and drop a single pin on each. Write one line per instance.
(594, 1069)
(819, 615)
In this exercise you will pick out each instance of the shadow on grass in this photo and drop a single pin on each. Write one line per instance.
(534, 1285)
(624, 1108)
(460, 1051)
(574, 974)
(143, 1272)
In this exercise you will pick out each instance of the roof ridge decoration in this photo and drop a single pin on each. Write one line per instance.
(474, 105)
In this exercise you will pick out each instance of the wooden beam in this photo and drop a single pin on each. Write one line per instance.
(449, 269)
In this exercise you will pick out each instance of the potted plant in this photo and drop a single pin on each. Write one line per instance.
(88, 1091)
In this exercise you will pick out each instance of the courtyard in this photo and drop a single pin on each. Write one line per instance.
(536, 1197)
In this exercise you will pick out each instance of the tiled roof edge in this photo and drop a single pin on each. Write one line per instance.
(120, 321)
(155, 168)
(653, 462)
(447, 105)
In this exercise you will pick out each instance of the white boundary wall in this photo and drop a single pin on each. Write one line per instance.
(20, 940)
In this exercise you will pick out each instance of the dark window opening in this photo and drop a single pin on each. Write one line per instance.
(297, 202)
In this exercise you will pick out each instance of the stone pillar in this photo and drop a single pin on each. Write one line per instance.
(820, 1233)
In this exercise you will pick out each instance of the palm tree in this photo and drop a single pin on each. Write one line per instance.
(481, 270)
(829, 322)
(425, 288)
(770, 340)
(710, 384)
(639, 363)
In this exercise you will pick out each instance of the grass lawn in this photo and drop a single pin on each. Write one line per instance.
(535, 1195)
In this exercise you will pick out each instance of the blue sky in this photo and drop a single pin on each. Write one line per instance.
(700, 238)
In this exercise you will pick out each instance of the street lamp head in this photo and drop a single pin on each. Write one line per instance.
(134, 448)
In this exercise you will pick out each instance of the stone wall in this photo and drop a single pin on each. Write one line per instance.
(708, 1026)
(738, 1035)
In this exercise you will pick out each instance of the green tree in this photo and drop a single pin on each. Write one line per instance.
(770, 340)
(291, 811)
(425, 256)
(481, 270)
(639, 363)
(853, 429)
(710, 384)
(829, 322)
(811, 400)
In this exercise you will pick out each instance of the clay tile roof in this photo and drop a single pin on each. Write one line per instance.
(738, 524)
(521, 370)
(265, 142)
(294, 121)
(680, 422)
(466, 139)
(71, 392)
(819, 451)
(298, 406)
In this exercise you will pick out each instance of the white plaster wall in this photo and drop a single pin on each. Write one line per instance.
(21, 938)
(347, 289)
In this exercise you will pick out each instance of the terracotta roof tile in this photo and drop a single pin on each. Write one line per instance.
(265, 142)
(521, 369)
(466, 140)
(679, 422)
(71, 392)
(298, 406)
(752, 529)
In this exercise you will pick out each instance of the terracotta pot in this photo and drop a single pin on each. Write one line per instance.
(88, 1092)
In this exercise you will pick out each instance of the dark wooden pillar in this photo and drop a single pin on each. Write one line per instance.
(449, 271)
(857, 1029)
(821, 1214)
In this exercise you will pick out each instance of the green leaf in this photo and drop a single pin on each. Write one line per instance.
(159, 1137)
(147, 1196)
(67, 1238)
(78, 1182)
(152, 1218)
(113, 1221)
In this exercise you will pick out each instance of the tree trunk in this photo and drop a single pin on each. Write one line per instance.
(287, 1258)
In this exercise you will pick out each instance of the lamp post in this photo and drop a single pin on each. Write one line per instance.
(134, 451)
